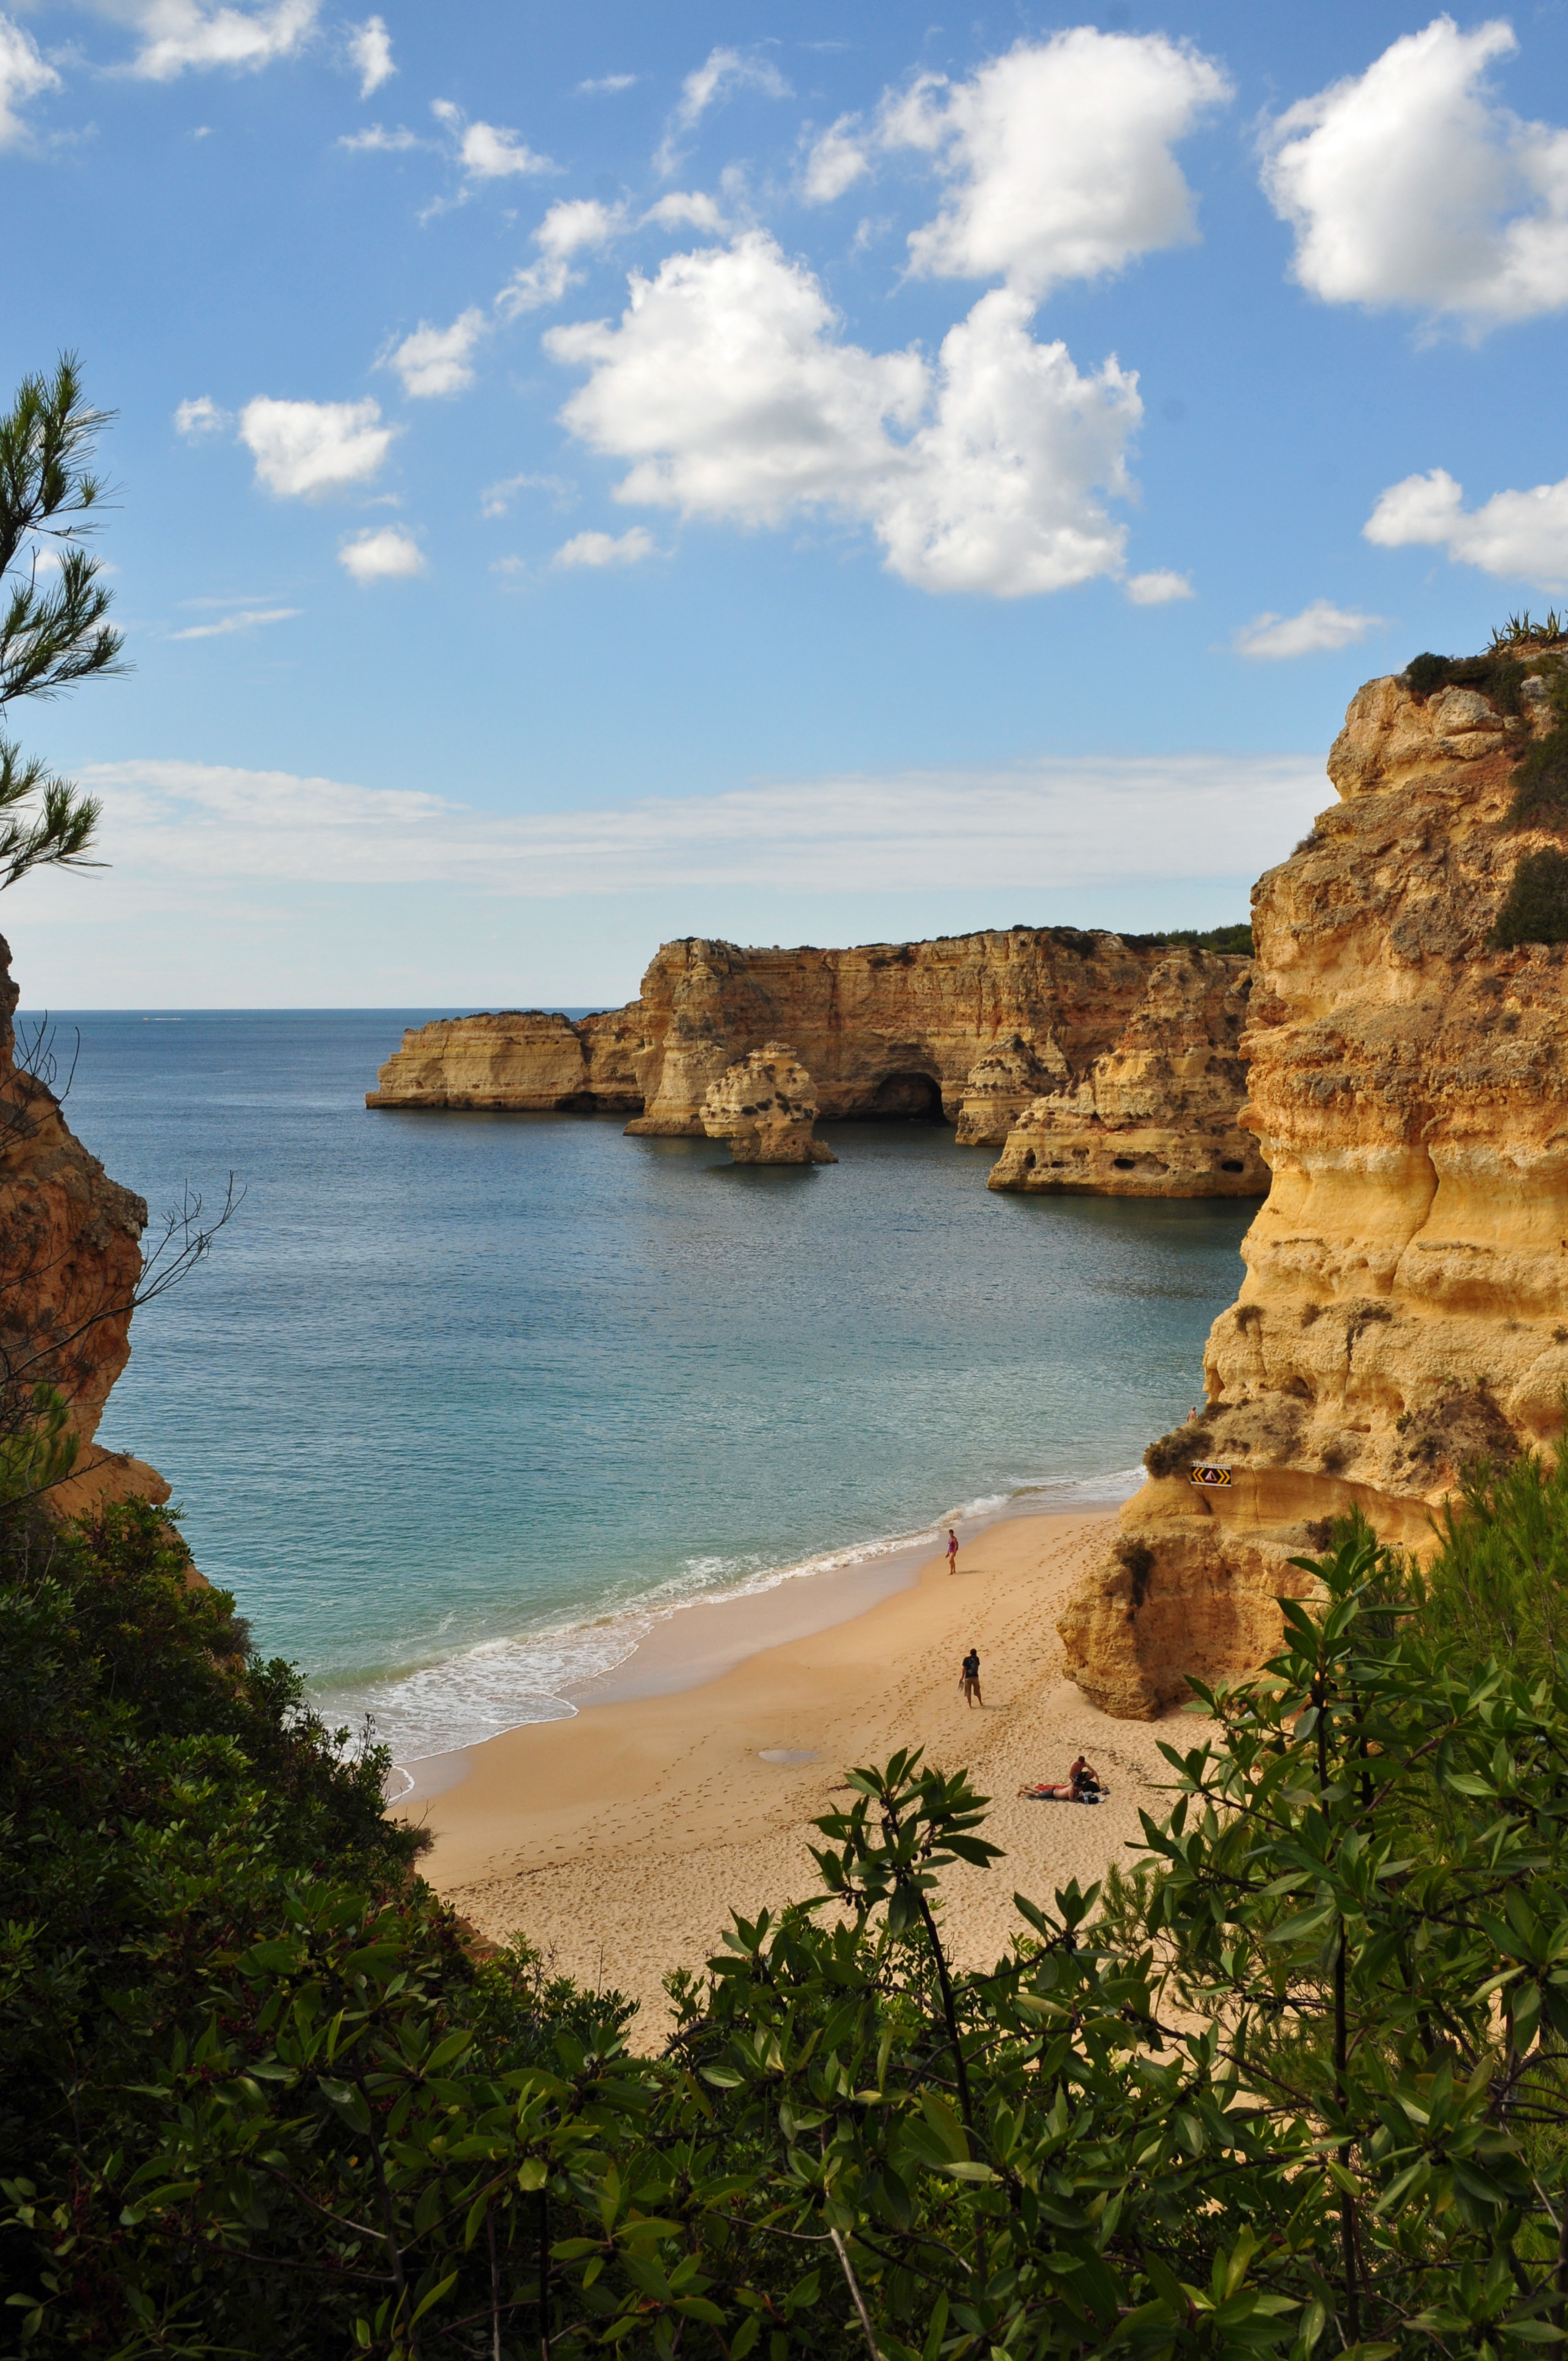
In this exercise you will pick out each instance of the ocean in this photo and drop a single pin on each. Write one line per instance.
(459, 1404)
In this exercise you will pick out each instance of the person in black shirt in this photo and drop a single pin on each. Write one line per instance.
(969, 1679)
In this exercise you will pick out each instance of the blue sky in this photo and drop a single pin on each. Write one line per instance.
(594, 475)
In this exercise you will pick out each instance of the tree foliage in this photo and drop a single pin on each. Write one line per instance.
(54, 628)
(1295, 2086)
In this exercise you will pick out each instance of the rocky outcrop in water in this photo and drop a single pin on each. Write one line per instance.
(1404, 1306)
(969, 1028)
(1157, 1115)
(69, 1263)
(764, 1106)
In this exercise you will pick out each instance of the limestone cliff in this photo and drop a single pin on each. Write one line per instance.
(765, 1106)
(1157, 1115)
(1405, 1306)
(70, 1261)
(969, 1027)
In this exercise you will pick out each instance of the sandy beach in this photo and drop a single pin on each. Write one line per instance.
(620, 1840)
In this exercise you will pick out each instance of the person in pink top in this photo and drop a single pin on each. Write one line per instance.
(952, 1550)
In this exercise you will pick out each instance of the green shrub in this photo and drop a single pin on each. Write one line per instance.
(1536, 910)
(1498, 678)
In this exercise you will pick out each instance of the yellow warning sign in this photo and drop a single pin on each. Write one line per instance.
(1206, 1473)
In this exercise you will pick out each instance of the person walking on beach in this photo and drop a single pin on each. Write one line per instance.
(969, 1680)
(952, 1550)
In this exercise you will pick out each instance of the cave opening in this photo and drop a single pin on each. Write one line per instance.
(904, 1098)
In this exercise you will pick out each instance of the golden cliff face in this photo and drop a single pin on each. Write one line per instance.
(1404, 1306)
(70, 1262)
(1158, 1115)
(969, 1027)
(765, 1106)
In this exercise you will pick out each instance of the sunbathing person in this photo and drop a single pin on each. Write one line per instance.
(1082, 1785)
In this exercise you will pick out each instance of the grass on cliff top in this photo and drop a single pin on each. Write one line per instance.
(1235, 941)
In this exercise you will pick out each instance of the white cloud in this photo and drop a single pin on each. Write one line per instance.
(721, 72)
(1411, 184)
(388, 553)
(1318, 629)
(686, 208)
(23, 75)
(1523, 533)
(836, 162)
(195, 420)
(302, 449)
(725, 385)
(181, 34)
(485, 150)
(605, 84)
(248, 620)
(370, 53)
(569, 227)
(607, 548)
(1158, 589)
(496, 498)
(375, 138)
(1038, 826)
(1059, 155)
(435, 361)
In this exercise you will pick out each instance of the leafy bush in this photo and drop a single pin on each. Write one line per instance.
(1497, 678)
(1536, 910)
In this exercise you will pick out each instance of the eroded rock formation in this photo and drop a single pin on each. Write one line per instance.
(1405, 1306)
(970, 1028)
(1157, 1115)
(764, 1106)
(70, 1261)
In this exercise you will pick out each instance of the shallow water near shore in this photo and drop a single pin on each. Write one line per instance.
(461, 1403)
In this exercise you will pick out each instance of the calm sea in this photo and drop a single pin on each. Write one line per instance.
(459, 1402)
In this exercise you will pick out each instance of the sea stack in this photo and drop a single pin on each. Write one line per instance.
(1405, 1309)
(765, 1107)
(1158, 1115)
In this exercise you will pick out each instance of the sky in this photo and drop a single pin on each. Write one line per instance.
(585, 476)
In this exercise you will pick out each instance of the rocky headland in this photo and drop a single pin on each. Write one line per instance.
(968, 1029)
(1405, 1308)
(1157, 1115)
(70, 1264)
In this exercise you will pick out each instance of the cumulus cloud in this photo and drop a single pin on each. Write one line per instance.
(303, 449)
(23, 75)
(726, 385)
(376, 138)
(685, 209)
(1412, 184)
(487, 151)
(1522, 534)
(1059, 157)
(385, 553)
(248, 618)
(721, 72)
(1317, 629)
(1158, 589)
(433, 361)
(568, 228)
(182, 35)
(370, 53)
(837, 160)
(1038, 826)
(196, 420)
(608, 548)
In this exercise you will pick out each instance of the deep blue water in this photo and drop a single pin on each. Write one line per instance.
(452, 1388)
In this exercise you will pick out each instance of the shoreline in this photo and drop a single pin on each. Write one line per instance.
(691, 1642)
(620, 1840)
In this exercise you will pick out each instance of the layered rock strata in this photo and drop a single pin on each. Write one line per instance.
(764, 1106)
(969, 1029)
(70, 1264)
(1404, 1306)
(1157, 1115)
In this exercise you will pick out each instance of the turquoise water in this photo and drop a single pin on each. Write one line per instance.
(459, 1401)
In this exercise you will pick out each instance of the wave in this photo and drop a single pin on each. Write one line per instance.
(507, 1684)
